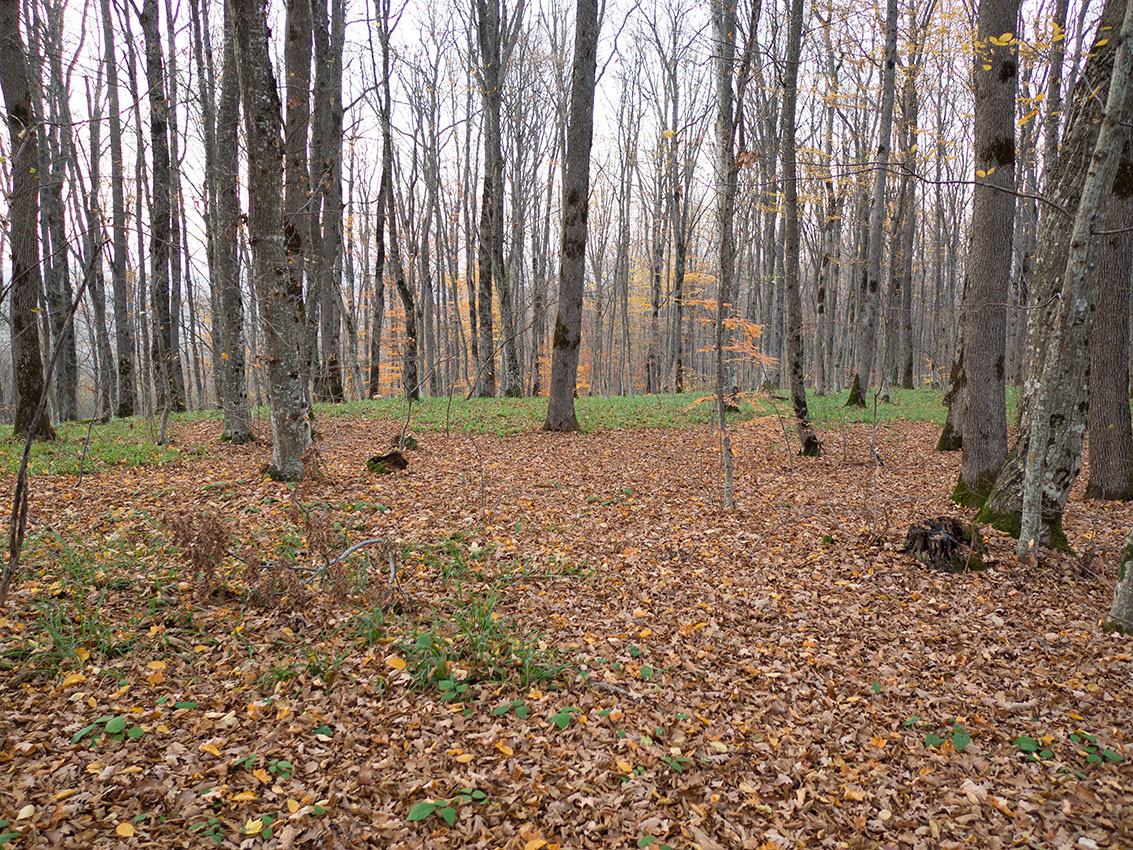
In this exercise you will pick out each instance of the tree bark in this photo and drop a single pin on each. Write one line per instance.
(576, 197)
(810, 445)
(282, 332)
(1048, 451)
(988, 271)
(226, 270)
(23, 215)
(1121, 610)
(871, 288)
(1110, 442)
(160, 212)
(297, 200)
(123, 325)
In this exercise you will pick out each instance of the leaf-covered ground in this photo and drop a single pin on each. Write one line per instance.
(581, 650)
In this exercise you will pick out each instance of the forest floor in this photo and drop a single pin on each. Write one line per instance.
(581, 650)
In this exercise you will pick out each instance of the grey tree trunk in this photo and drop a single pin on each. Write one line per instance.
(1109, 439)
(871, 290)
(23, 215)
(93, 245)
(56, 143)
(1048, 452)
(160, 212)
(1121, 610)
(226, 266)
(497, 32)
(988, 271)
(723, 15)
(409, 377)
(810, 446)
(123, 325)
(576, 197)
(282, 332)
(297, 199)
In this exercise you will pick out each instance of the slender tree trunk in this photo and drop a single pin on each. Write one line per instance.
(871, 291)
(282, 332)
(988, 271)
(160, 211)
(94, 239)
(810, 446)
(297, 199)
(23, 214)
(226, 270)
(576, 196)
(1121, 610)
(123, 327)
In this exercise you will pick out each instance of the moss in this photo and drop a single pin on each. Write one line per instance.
(1110, 626)
(1005, 522)
(856, 399)
(964, 495)
(1010, 523)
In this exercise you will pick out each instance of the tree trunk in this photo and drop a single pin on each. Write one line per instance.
(810, 446)
(23, 215)
(282, 332)
(297, 198)
(103, 358)
(871, 295)
(226, 270)
(160, 212)
(988, 271)
(1109, 439)
(576, 197)
(1048, 452)
(1121, 610)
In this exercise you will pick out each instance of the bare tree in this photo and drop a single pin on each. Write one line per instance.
(226, 266)
(23, 216)
(282, 331)
(871, 282)
(576, 199)
(811, 447)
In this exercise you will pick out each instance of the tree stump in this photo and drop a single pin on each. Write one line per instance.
(947, 544)
(387, 463)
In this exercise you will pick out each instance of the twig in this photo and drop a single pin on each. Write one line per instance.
(83, 456)
(316, 572)
(17, 525)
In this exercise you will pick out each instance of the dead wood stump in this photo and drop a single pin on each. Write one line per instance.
(387, 463)
(947, 544)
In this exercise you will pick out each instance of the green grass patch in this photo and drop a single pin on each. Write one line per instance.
(505, 416)
(120, 442)
(924, 404)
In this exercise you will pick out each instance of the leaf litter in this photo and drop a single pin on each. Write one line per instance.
(581, 650)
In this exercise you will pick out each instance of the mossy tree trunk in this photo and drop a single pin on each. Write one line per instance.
(984, 313)
(1048, 452)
